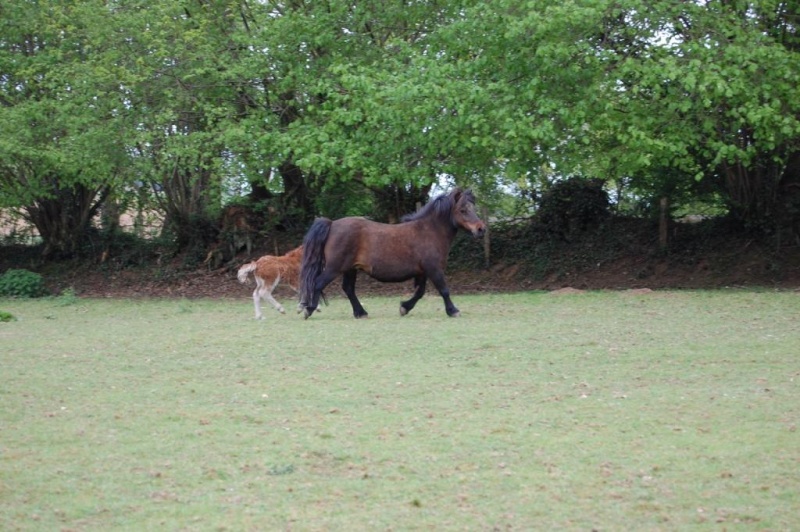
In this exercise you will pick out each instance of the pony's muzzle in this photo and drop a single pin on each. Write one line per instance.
(478, 230)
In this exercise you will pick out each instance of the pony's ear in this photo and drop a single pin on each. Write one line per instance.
(460, 193)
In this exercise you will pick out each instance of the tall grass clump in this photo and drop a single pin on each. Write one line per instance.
(66, 298)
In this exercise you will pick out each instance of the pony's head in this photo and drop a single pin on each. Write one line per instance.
(463, 212)
(457, 207)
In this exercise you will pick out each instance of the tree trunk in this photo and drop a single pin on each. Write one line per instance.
(663, 223)
(297, 198)
(63, 221)
(259, 193)
(753, 193)
(110, 214)
(394, 201)
(184, 200)
(487, 242)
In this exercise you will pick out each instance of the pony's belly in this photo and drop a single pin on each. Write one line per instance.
(387, 274)
(391, 278)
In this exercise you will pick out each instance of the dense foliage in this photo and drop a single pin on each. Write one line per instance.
(341, 108)
(22, 283)
(572, 206)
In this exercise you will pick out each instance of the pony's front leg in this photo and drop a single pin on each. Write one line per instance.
(319, 285)
(420, 282)
(349, 287)
(444, 291)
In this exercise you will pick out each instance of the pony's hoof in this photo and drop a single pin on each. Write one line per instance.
(307, 314)
(281, 311)
(455, 314)
(403, 310)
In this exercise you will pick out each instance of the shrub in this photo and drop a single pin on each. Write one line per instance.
(6, 316)
(573, 206)
(22, 283)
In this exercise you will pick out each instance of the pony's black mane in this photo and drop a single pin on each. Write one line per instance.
(441, 205)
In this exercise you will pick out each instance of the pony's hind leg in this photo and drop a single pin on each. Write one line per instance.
(420, 281)
(349, 287)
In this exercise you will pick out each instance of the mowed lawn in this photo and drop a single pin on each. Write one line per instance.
(601, 410)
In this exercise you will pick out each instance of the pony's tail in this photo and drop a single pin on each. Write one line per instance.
(245, 270)
(313, 258)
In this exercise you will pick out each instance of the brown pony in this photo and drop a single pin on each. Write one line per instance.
(270, 270)
(416, 249)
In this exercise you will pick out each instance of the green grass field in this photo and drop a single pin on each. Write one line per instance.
(604, 410)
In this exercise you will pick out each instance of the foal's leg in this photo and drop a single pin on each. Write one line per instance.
(419, 284)
(267, 294)
(300, 305)
(349, 287)
(441, 285)
(257, 297)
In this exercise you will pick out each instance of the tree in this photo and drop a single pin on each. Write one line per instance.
(711, 91)
(173, 58)
(59, 153)
(691, 91)
(668, 94)
(345, 107)
(335, 108)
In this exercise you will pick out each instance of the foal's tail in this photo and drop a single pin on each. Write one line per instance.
(313, 258)
(245, 270)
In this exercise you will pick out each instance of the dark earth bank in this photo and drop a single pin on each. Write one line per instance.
(622, 254)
